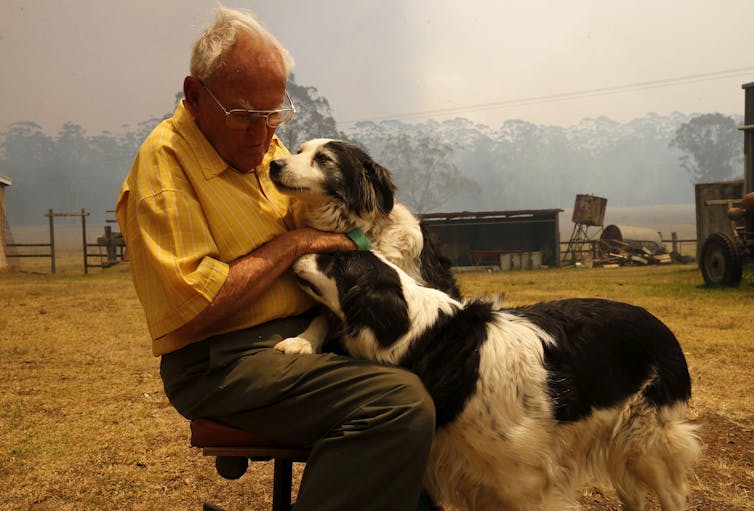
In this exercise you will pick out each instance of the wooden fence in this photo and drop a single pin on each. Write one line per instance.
(111, 243)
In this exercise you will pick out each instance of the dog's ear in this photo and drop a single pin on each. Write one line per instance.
(376, 301)
(383, 312)
(367, 185)
(382, 185)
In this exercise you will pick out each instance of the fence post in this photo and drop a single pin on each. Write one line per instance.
(83, 237)
(112, 254)
(51, 214)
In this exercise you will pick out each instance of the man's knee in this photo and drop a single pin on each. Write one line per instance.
(415, 406)
(425, 406)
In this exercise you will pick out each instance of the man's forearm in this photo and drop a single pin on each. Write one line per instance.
(249, 276)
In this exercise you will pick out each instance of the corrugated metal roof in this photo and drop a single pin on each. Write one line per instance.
(476, 215)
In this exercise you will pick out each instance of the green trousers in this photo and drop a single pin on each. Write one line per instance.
(370, 426)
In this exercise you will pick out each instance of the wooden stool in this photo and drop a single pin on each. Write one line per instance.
(233, 448)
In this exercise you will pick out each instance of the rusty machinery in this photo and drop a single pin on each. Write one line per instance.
(724, 254)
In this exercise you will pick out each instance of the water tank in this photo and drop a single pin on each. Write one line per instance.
(589, 210)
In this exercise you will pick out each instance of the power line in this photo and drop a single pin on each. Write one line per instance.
(566, 96)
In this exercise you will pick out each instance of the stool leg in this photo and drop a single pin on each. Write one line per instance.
(281, 486)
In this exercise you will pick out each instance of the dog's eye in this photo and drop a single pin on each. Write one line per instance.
(322, 158)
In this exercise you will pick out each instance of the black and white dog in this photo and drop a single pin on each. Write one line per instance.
(339, 188)
(530, 401)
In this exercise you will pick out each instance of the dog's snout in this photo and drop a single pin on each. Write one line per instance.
(276, 167)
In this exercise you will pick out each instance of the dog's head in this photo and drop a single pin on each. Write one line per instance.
(362, 289)
(327, 170)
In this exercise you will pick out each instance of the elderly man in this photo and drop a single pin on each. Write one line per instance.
(210, 243)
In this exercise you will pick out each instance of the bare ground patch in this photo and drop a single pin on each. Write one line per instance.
(84, 423)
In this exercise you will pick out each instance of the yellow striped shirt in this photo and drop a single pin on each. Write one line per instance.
(184, 214)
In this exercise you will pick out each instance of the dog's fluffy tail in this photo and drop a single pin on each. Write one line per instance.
(652, 449)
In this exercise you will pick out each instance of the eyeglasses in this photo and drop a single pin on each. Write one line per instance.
(241, 118)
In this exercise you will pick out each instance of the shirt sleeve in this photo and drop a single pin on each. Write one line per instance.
(169, 239)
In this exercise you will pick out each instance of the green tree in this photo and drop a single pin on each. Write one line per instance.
(29, 157)
(712, 147)
(423, 170)
(313, 117)
(65, 172)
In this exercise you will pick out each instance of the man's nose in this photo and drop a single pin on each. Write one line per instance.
(257, 125)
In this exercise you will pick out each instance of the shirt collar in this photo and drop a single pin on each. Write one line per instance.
(213, 164)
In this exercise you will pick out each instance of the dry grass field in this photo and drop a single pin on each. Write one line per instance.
(84, 424)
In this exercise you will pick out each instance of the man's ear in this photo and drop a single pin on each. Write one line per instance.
(191, 86)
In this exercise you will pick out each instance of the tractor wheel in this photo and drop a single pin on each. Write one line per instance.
(721, 261)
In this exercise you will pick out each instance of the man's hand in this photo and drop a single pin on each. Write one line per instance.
(317, 242)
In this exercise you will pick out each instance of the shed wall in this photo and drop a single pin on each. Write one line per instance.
(531, 232)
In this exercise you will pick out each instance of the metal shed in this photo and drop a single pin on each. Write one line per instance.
(4, 183)
(471, 238)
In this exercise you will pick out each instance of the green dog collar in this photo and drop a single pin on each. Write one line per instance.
(360, 239)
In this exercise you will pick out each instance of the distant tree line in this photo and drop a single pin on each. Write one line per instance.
(521, 165)
(438, 166)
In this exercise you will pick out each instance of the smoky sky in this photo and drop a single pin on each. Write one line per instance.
(110, 64)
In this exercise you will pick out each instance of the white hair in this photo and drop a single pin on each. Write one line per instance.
(208, 50)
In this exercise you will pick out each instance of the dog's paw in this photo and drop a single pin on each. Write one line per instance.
(294, 346)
